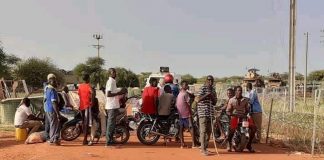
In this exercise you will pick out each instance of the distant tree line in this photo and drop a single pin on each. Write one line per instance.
(34, 70)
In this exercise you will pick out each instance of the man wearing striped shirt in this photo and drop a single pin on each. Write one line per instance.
(206, 100)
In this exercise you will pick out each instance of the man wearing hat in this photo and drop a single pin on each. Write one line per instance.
(52, 110)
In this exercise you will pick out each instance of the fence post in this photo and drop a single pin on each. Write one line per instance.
(263, 93)
(269, 123)
(285, 100)
(316, 107)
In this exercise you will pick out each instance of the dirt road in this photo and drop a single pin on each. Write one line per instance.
(133, 150)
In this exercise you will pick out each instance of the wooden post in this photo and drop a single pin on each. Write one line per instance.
(269, 123)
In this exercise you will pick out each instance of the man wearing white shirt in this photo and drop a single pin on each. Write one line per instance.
(24, 117)
(112, 105)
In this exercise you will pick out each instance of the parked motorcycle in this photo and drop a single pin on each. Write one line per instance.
(224, 122)
(135, 118)
(241, 134)
(151, 128)
(71, 129)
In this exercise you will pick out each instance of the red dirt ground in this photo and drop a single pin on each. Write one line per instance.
(133, 150)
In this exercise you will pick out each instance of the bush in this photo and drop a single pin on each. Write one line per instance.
(34, 71)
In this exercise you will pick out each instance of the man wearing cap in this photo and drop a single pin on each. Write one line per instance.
(52, 110)
(45, 85)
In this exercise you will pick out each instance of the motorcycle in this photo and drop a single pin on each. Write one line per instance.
(135, 118)
(151, 128)
(224, 123)
(241, 134)
(73, 127)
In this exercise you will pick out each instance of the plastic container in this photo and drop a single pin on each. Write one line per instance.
(21, 134)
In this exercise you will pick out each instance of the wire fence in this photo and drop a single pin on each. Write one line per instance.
(294, 130)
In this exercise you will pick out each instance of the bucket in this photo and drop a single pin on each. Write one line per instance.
(21, 134)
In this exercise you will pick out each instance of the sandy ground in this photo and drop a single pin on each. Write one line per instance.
(133, 150)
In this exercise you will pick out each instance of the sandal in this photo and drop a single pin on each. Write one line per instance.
(251, 150)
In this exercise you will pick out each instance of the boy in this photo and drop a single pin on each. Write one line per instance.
(85, 94)
(183, 106)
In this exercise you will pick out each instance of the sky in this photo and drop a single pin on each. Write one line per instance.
(218, 37)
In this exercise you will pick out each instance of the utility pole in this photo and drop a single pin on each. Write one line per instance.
(306, 60)
(98, 37)
(292, 57)
(98, 46)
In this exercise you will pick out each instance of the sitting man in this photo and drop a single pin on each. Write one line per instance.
(238, 106)
(166, 101)
(66, 99)
(150, 98)
(24, 117)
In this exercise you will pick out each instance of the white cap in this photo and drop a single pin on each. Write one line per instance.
(51, 75)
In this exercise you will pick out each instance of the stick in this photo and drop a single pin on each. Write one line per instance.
(213, 134)
(269, 123)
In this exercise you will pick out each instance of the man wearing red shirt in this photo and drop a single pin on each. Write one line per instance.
(150, 98)
(85, 91)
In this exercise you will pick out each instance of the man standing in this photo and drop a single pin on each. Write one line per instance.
(52, 111)
(206, 100)
(112, 105)
(24, 117)
(183, 106)
(256, 110)
(85, 96)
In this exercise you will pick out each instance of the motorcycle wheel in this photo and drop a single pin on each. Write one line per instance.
(243, 142)
(70, 133)
(121, 135)
(143, 133)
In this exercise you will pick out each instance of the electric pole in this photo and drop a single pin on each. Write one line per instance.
(292, 57)
(306, 59)
(98, 37)
(98, 46)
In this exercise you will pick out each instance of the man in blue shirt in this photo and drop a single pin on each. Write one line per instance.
(256, 109)
(52, 111)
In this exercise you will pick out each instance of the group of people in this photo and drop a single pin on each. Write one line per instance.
(156, 101)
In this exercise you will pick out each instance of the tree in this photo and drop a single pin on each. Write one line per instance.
(299, 77)
(125, 77)
(142, 78)
(316, 75)
(92, 66)
(285, 76)
(7, 62)
(189, 78)
(202, 80)
(35, 71)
